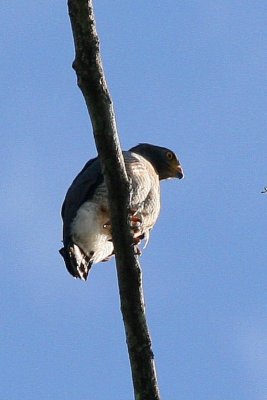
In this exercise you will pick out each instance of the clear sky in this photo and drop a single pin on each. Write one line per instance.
(188, 75)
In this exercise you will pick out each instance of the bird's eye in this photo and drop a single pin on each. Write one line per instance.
(169, 155)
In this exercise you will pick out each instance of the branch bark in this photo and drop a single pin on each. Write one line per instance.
(91, 81)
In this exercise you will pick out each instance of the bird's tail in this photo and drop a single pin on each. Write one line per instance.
(78, 264)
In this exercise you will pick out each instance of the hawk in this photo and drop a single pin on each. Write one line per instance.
(87, 235)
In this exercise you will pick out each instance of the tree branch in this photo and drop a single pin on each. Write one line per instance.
(91, 81)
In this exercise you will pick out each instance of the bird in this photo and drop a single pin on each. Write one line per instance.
(87, 234)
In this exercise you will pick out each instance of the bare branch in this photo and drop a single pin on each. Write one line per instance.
(91, 80)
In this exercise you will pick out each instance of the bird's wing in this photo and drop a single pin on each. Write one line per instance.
(81, 190)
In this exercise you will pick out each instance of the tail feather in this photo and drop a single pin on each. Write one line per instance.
(77, 263)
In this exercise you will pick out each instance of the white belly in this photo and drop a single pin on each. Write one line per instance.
(89, 233)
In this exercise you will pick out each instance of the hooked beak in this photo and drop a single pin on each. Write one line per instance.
(179, 172)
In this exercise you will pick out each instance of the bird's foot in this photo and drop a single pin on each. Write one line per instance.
(136, 221)
(137, 250)
(136, 242)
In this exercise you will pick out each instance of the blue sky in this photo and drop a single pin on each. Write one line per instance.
(187, 75)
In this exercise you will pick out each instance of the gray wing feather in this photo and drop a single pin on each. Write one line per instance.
(81, 190)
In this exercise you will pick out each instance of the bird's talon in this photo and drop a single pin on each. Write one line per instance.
(137, 251)
(136, 216)
(135, 230)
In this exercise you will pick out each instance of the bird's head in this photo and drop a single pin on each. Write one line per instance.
(163, 160)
